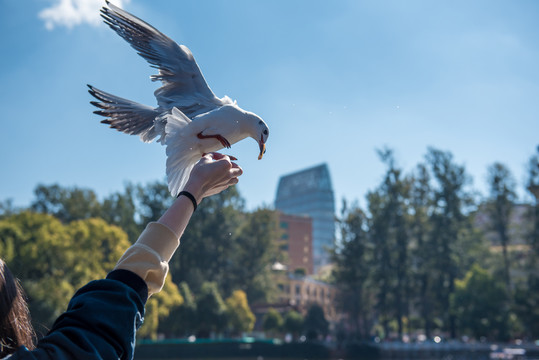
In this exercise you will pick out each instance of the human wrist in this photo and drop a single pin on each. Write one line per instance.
(194, 190)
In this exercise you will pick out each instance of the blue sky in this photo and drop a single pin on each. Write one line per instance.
(334, 80)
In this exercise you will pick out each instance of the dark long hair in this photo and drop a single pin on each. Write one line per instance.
(15, 326)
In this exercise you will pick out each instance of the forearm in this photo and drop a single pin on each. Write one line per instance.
(148, 257)
(178, 215)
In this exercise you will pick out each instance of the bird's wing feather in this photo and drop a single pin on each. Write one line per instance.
(126, 116)
(182, 151)
(178, 169)
(184, 85)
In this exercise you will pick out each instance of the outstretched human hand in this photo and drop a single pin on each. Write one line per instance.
(214, 173)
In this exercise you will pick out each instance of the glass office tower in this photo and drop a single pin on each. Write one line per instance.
(309, 192)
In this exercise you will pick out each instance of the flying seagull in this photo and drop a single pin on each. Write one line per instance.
(189, 119)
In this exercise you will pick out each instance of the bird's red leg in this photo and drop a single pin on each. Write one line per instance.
(221, 138)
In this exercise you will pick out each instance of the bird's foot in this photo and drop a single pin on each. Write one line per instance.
(221, 139)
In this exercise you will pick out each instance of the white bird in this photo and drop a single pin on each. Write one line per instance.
(189, 119)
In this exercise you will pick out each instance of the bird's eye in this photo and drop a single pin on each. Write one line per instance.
(266, 132)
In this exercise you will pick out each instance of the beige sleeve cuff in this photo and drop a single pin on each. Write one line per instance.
(148, 257)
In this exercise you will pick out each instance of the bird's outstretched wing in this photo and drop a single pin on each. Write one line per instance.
(127, 116)
(184, 85)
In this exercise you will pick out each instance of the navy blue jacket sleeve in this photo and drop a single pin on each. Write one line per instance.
(100, 322)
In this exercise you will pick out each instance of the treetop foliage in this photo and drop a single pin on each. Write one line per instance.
(416, 254)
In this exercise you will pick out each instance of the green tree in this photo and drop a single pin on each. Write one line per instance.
(7, 208)
(450, 199)
(120, 209)
(388, 231)
(182, 320)
(53, 260)
(272, 322)
(479, 304)
(211, 310)
(66, 204)
(315, 322)
(153, 200)
(10, 234)
(382, 266)
(533, 214)
(352, 271)
(97, 247)
(422, 249)
(240, 318)
(499, 205)
(527, 306)
(37, 252)
(293, 323)
(159, 307)
(252, 253)
(527, 293)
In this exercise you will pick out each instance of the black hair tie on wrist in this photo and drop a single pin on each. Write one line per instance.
(191, 197)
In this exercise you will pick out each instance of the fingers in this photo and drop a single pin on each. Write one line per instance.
(230, 174)
(214, 173)
(221, 187)
(214, 156)
(235, 169)
(218, 156)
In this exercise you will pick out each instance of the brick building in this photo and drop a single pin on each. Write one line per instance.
(297, 242)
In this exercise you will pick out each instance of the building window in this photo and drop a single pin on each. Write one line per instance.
(284, 225)
(298, 290)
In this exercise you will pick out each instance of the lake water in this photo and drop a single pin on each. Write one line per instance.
(221, 350)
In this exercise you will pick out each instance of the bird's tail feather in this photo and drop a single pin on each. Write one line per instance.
(181, 156)
(125, 115)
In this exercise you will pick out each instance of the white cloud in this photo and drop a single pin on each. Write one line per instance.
(70, 13)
